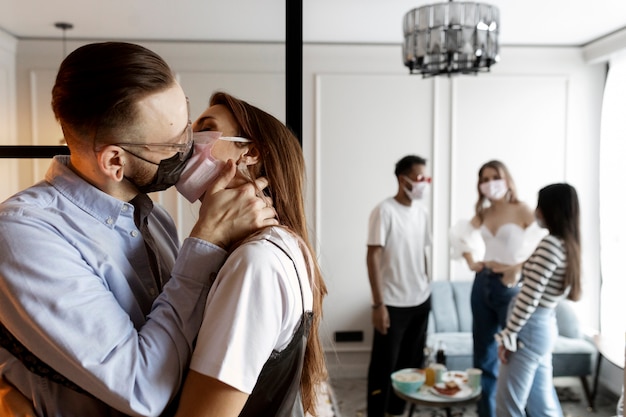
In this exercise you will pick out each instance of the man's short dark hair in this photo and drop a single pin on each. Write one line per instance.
(98, 85)
(403, 166)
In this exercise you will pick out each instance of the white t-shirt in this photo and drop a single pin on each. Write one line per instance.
(403, 232)
(253, 308)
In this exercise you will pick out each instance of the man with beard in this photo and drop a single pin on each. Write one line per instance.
(99, 306)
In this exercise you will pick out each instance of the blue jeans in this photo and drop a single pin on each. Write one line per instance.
(525, 382)
(490, 301)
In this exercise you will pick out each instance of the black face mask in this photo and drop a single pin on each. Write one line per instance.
(167, 174)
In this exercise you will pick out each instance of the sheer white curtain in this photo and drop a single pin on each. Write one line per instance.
(612, 179)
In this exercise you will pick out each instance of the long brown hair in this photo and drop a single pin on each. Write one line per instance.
(504, 174)
(282, 163)
(559, 207)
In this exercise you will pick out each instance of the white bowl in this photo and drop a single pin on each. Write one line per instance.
(408, 380)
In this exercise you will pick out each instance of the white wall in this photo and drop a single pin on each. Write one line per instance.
(538, 111)
(8, 128)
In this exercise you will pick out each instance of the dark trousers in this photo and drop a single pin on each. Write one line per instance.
(401, 347)
(490, 301)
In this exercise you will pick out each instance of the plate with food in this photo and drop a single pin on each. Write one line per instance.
(451, 389)
(460, 377)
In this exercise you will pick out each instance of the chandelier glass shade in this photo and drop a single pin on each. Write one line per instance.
(451, 38)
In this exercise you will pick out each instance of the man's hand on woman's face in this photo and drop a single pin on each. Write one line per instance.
(228, 215)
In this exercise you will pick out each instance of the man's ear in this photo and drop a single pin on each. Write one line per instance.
(111, 161)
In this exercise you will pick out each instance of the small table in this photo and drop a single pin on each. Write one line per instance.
(425, 397)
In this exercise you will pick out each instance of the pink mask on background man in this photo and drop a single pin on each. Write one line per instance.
(202, 167)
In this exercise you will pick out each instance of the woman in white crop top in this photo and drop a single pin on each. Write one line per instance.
(506, 228)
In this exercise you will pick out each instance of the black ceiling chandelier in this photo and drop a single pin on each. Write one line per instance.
(451, 38)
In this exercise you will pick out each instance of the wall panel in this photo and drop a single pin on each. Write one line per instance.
(8, 168)
(519, 120)
(45, 129)
(366, 123)
(8, 128)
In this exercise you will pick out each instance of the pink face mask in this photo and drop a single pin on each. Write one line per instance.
(494, 189)
(202, 167)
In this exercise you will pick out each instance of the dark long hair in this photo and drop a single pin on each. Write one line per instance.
(505, 175)
(559, 207)
(282, 163)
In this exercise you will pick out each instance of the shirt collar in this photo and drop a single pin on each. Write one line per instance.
(100, 205)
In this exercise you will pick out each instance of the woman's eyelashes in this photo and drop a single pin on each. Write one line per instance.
(207, 126)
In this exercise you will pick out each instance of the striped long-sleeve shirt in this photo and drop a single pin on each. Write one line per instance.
(542, 285)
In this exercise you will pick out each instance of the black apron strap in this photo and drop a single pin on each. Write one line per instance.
(32, 362)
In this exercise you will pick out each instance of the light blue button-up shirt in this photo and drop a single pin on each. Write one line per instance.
(76, 289)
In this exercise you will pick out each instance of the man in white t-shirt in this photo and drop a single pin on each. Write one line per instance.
(399, 233)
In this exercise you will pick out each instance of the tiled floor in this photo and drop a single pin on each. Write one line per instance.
(349, 396)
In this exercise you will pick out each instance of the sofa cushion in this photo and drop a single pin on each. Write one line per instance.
(462, 300)
(567, 321)
(572, 357)
(450, 305)
(442, 308)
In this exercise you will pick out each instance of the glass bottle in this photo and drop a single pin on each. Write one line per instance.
(441, 353)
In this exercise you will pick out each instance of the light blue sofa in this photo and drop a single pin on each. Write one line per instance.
(451, 323)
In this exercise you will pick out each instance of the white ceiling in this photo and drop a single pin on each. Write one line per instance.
(523, 22)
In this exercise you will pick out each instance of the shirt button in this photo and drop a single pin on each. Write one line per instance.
(134, 233)
(124, 207)
(153, 292)
(109, 221)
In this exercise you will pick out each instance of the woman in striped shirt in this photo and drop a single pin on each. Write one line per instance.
(551, 274)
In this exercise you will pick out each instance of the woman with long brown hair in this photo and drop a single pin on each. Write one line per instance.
(551, 274)
(258, 350)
